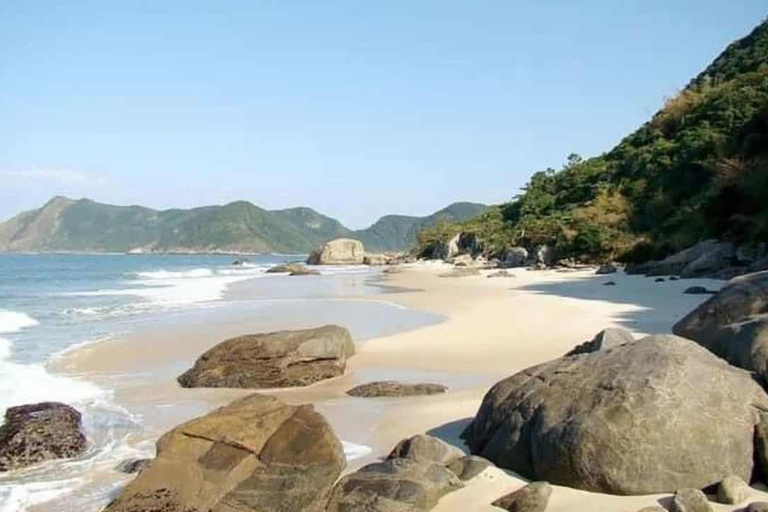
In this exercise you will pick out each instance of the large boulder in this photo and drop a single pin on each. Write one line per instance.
(514, 257)
(461, 243)
(255, 454)
(342, 251)
(394, 485)
(652, 416)
(273, 360)
(733, 324)
(708, 258)
(544, 255)
(39, 432)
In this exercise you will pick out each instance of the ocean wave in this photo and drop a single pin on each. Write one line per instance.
(13, 321)
(354, 451)
(174, 274)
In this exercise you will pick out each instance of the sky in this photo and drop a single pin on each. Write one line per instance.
(355, 108)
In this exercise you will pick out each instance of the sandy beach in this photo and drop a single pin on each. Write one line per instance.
(480, 330)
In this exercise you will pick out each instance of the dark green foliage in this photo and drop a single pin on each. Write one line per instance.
(698, 169)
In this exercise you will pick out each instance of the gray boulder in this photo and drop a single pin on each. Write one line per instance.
(717, 258)
(733, 324)
(607, 268)
(255, 454)
(544, 255)
(758, 506)
(36, 433)
(605, 339)
(514, 257)
(469, 466)
(598, 421)
(424, 448)
(394, 389)
(342, 251)
(690, 500)
(698, 290)
(732, 490)
(273, 360)
(531, 498)
(394, 485)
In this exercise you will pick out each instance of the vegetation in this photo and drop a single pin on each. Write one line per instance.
(698, 169)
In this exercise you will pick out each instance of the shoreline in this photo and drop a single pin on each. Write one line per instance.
(491, 328)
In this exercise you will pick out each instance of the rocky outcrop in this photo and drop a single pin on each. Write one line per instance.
(255, 454)
(461, 243)
(424, 448)
(598, 421)
(607, 268)
(390, 388)
(514, 257)
(733, 324)
(273, 360)
(342, 251)
(469, 466)
(293, 269)
(394, 485)
(732, 490)
(531, 498)
(36, 433)
(544, 255)
(605, 339)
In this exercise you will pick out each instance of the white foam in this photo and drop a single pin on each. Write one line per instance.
(12, 321)
(179, 274)
(354, 451)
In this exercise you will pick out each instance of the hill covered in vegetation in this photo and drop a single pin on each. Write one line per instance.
(698, 169)
(83, 225)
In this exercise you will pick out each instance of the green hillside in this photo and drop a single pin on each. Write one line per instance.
(698, 169)
(64, 224)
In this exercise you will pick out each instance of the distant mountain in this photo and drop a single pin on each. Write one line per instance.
(67, 225)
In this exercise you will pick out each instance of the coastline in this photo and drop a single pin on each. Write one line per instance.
(490, 329)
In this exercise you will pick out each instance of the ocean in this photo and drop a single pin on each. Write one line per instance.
(53, 303)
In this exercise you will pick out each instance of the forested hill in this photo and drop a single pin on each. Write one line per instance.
(697, 169)
(65, 224)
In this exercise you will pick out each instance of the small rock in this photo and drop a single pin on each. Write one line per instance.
(698, 290)
(659, 280)
(501, 273)
(690, 500)
(758, 506)
(461, 272)
(391, 388)
(653, 508)
(468, 467)
(424, 448)
(732, 490)
(131, 466)
(674, 278)
(609, 283)
(304, 271)
(285, 268)
(531, 498)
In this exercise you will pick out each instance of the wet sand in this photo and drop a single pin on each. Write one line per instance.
(480, 330)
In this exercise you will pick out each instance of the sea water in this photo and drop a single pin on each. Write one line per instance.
(51, 303)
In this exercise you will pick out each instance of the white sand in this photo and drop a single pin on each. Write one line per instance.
(495, 327)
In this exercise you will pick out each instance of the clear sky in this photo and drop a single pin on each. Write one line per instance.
(355, 108)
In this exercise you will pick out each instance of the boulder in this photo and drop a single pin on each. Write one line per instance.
(758, 506)
(286, 268)
(598, 421)
(463, 260)
(304, 271)
(706, 258)
(273, 360)
(607, 268)
(659, 280)
(394, 485)
(531, 498)
(376, 260)
(342, 251)
(447, 250)
(390, 388)
(544, 255)
(605, 339)
(514, 257)
(254, 454)
(718, 257)
(653, 508)
(131, 466)
(690, 500)
(609, 283)
(469, 466)
(733, 324)
(697, 290)
(36, 433)
(424, 448)
(732, 490)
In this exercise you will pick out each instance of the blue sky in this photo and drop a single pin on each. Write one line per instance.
(357, 109)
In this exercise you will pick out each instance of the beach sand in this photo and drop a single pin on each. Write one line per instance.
(481, 330)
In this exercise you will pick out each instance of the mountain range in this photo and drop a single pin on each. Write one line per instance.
(69, 225)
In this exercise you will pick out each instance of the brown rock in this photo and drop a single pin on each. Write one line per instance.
(423, 448)
(468, 467)
(732, 490)
(342, 251)
(531, 498)
(255, 454)
(391, 388)
(690, 500)
(273, 360)
(605, 339)
(38, 432)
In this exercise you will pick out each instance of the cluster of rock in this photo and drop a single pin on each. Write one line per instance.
(709, 258)
(273, 360)
(346, 251)
(293, 269)
(396, 389)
